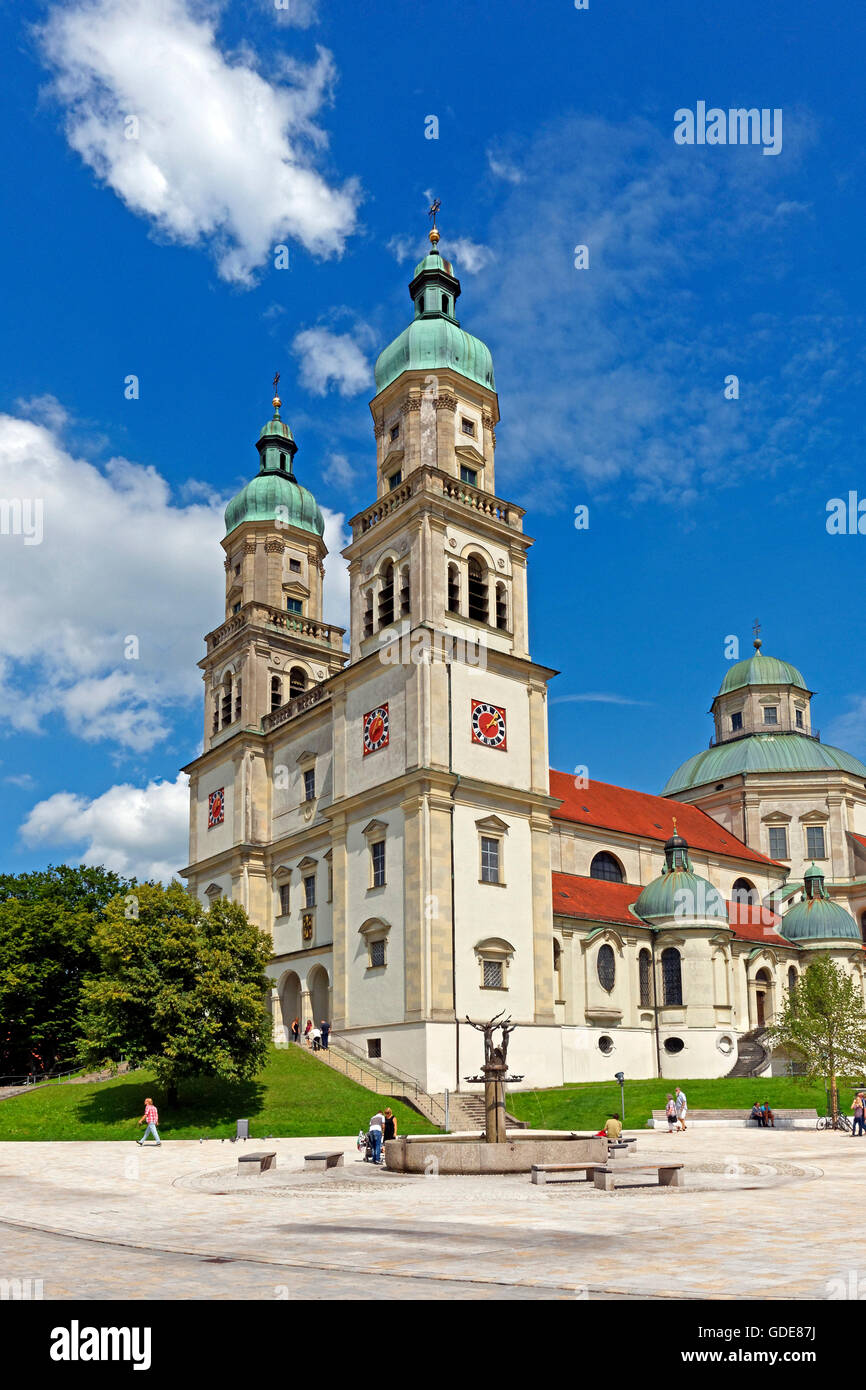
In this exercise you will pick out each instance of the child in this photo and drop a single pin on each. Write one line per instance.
(671, 1114)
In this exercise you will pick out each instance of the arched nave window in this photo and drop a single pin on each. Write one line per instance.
(672, 976)
(606, 867)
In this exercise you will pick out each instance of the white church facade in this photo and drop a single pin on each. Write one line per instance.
(388, 814)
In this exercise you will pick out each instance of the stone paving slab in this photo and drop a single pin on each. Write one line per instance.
(147, 1216)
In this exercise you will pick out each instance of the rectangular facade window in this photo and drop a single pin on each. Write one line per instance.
(377, 856)
(798, 718)
(236, 608)
(467, 426)
(374, 1047)
(295, 566)
(284, 900)
(395, 480)
(771, 714)
(468, 475)
(294, 605)
(778, 842)
(489, 859)
(330, 883)
(310, 784)
(736, 722)
(815, 842)
(377, 953)
(492, 974)
(395, 432)
(310, 890)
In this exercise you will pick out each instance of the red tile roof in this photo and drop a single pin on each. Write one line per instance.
(603, 805)
(598, 900)
(860, 838)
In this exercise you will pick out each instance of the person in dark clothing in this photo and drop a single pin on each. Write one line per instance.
(296, 1031)
(326, 1029)
(390, 1131)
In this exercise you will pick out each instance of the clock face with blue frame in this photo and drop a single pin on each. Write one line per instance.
(488, 725)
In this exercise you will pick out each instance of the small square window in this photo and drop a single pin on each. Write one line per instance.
(492, 974)
(237, 569)
(468, 475)
(295, 566)
(736, 722)
(395, 480)
(489, 859)
(310, 784)
(374, 1047)
(310, 890)
(395, 432)
(236, 608)
(284, 900)
(294, 605)
(815, 841)
(467, 426)
(377, 953)
(377, 856)
(771, 714)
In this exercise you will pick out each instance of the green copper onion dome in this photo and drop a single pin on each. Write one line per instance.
(275, 494)
(434, 338)
(761, 670)
(818, 919)
(679, 893)
(782, 752)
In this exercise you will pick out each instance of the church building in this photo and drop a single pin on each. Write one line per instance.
(387, 813)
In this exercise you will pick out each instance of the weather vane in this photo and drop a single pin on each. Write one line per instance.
(756, 628)
(433, 209)
(277, 401)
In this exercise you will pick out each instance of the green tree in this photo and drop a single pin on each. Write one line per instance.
(824, 1022)
(179, 989)
(47, 921)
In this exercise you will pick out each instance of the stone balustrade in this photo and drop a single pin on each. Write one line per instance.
(434, 481)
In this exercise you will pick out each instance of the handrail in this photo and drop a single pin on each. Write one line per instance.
(409, 1083)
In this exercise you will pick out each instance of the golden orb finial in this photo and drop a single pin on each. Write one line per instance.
(675, 824)
(276, 401)
(434, 231)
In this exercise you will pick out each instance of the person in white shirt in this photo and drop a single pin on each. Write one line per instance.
(377, 1125)
(682, 1107)
(316, 1038)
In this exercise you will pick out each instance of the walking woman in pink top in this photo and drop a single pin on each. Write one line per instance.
(151, 1119)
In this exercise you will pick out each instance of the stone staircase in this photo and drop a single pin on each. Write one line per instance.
(753, 1057)
(379, 1077)
(466, 1112)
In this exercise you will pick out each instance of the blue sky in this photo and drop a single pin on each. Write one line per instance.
(154, 256)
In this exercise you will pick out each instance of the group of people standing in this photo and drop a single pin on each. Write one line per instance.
(676, 1110)
(383, 1127)
(314, 1037)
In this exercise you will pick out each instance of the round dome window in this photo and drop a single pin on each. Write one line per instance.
(674, 1045)
(605, 1045)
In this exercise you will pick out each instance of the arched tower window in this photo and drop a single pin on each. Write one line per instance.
(276, 692)
(672, 976)
(386, 597)
(368, 613)
(405, 594)
(606, 967)
(216, 713)
(477, 589)
(283, 462)
(453, 589)
(644, 971)
(746, 893)
(238, 697)
(226, 710)
(501, 606)
(605, 866)
(297, 681)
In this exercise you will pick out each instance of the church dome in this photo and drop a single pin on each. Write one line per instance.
(761, 670)
(679, 893)
(784, 752)
(818, 918)
(275, 493)
(434, 339)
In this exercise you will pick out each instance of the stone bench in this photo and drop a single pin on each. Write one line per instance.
(324, 1160)
(740, 1119)
(541, 1171)
(251, 1165)
(621, 1148)
(669, 1174)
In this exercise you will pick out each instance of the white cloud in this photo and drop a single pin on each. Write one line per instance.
(20, 779)
(339, 472)
(221, 153)
(468, 256)
(328, 359)
(119, 558)
(848, 730)
(503, 169)
(597, 698)
(297, 14)
(139, 832)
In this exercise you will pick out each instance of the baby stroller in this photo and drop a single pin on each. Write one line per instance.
(365, 1145)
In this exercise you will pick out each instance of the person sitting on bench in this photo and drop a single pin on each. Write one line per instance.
(613, 1127)
(769, 1117)
(757, 1114)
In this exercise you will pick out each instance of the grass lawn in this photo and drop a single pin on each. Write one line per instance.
(587, 1105)
(293, 1095)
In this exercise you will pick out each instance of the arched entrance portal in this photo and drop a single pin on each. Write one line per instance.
(763, 997)
(320, 993)
(290, 1000)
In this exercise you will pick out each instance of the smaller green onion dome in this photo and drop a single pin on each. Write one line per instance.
(275, 494)
(761, 670)
(818, 919)
(679, 893)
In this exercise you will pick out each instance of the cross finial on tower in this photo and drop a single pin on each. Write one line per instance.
(434, 231)
(276, 401)
(756, 628)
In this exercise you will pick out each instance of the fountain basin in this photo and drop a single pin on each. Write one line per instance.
(466, 1153)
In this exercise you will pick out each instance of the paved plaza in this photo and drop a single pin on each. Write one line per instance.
(763, 1214)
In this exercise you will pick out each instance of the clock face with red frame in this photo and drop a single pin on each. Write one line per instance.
(488, 724)
(377, 730)
(216, 808)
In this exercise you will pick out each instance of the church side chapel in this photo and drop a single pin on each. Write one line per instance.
(395, 826)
